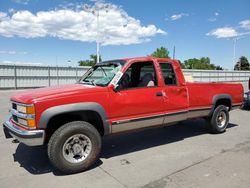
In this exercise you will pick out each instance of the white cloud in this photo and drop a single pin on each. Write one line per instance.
(2, 15)
(24, 2)
(12, 52)
(7, 52)
(231, 32)
(11, 11)
(224, 32)
(245, 24)
(214, 17)
(116, 26)
(178, 16)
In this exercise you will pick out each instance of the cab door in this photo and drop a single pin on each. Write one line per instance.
(175, 93)
(139, 102)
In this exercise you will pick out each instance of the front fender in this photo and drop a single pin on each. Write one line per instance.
(66, 108)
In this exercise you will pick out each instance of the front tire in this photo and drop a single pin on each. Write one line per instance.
(74, 147)
(218, 122)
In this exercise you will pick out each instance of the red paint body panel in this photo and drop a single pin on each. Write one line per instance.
(137, 102)
(44, 98)
(200, 94)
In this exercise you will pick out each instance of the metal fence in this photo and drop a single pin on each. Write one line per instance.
(217, 75)
(20, 76)
(17, 76)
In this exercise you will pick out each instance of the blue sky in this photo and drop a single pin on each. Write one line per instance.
(49, 32)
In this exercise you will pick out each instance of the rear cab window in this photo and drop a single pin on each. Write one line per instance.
(168, 74)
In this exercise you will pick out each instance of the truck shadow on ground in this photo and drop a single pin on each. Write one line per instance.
(245, 108)
(35, 160)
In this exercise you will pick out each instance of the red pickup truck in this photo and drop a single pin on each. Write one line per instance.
(112, 97)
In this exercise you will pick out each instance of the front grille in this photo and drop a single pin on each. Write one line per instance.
(18, 121)
(15, 118)
(14, 106)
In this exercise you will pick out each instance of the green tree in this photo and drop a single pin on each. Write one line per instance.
(161, 53)
(181, 64)
(89, 62)
(242, 64)
(202, 63)
(218, 68)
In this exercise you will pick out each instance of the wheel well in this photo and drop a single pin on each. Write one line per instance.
(91, 117)
(225, 102)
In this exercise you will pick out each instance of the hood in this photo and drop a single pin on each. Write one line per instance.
(33, 95)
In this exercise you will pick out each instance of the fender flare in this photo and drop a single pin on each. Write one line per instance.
(218, 97)
(61, 109)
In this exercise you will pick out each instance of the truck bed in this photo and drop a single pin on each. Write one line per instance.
(201, 95)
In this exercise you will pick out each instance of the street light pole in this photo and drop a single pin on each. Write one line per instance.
(234, 40)
(97, 40)
(95, 10)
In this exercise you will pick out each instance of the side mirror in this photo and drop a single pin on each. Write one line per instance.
(184, 84)
(115, 88)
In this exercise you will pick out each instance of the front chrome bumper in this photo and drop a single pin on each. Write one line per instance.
(28, 137)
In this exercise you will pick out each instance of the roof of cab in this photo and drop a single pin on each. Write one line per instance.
(147, 58)
(142, 59)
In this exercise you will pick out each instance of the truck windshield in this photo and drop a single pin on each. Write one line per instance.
(101, 74)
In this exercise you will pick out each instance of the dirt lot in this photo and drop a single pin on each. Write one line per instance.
(181, 155)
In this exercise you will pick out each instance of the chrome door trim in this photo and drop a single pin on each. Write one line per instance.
(198, 112)
(161, 119)
(136, 123)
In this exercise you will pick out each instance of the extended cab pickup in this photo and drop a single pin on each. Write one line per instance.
(112, 97)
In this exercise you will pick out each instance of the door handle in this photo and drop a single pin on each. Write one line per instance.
(159, 94)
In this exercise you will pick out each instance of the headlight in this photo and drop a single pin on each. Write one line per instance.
(25, 109)
(27, 122)
(23, 114)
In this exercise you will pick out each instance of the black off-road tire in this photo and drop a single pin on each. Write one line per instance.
(59, 138)
(212, 122)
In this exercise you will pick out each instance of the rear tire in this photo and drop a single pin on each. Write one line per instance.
(74, 147)
(218, 122)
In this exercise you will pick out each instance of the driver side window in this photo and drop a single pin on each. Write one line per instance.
(139, 75)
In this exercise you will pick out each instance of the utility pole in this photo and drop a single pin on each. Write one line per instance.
(174, 53)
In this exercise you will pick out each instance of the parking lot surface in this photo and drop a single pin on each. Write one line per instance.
(180, 155)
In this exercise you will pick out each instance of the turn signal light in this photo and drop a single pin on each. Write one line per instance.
(30, 109)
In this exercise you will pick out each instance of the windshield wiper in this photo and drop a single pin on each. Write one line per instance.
(103, 71)
(92, 81)
(89, 82)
